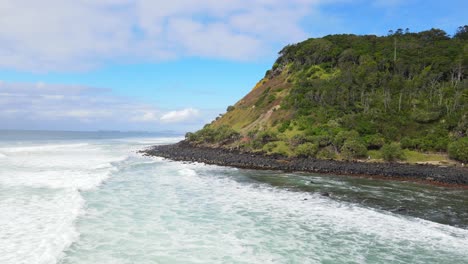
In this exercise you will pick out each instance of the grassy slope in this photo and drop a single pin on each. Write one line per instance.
(249, 114)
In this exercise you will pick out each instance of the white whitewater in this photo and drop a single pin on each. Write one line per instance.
(40, 197)
(97, 201)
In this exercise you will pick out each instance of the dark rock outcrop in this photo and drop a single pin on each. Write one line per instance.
(183, 151)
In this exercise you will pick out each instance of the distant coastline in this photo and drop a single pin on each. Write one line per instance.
(437, 175)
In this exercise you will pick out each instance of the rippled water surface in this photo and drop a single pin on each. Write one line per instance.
(89, 200)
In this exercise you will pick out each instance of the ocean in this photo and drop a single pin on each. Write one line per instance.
(76, 197)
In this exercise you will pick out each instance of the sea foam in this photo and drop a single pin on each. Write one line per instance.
(40, 196)
(37, 225)
(172, 212)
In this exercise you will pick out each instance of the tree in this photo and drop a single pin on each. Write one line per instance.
(434, 34)
(462, 33)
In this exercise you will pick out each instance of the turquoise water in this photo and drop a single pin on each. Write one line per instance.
(95, 200)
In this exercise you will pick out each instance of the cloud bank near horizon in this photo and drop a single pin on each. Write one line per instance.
(53, 106)
(56, 35)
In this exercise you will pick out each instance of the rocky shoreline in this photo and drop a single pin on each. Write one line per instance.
(182, 151)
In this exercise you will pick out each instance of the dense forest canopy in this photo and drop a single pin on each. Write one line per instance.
(348, 94)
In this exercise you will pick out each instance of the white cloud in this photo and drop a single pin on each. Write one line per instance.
(63, 35)
(44, 106)
(146, 116)
(180, 115)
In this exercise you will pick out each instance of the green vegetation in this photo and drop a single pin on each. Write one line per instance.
(327, 153)
(307, 150)
(353, 149)
(459, 150)
(353, 97)
(220, 135)
(392, 152)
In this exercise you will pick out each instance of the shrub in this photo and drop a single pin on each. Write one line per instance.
(326, 153)
(281, 151)
(297, 140)
(267, 136)
(343, 136)
(374, 141)
(225, 133)
(260, 139)
(390, 132)
(261, 100)
(392, 152)
(353, 149)
(408, 143)
(271, 98)
(430, 142)
(322, 140)
(252, 133)
(191, 137)
(284, 126)
(222, 134)
(257, 144)
(230, 108)
(307, 150)
(269, 147)
(458, 149)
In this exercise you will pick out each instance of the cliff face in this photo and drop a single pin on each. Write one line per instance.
(351, 97)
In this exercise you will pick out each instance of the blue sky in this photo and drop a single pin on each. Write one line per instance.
(157, 65)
